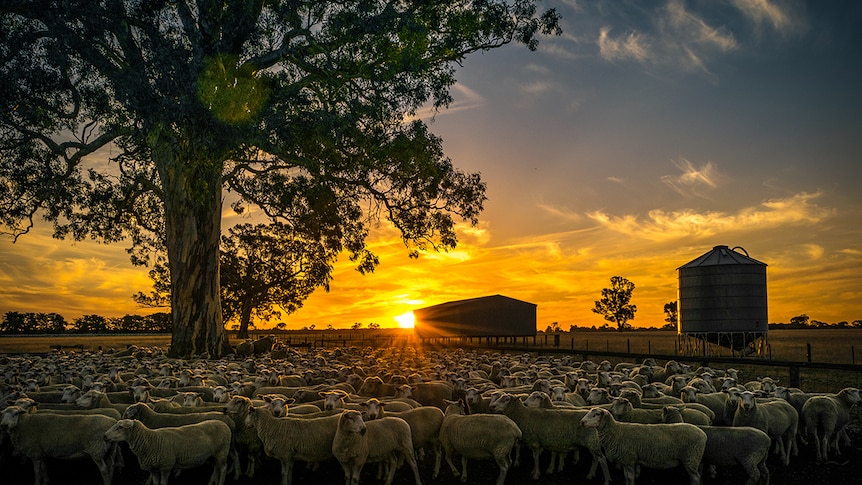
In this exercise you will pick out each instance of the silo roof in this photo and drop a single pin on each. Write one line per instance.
(722, 255)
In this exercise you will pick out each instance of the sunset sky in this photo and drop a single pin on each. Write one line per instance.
(646, 134)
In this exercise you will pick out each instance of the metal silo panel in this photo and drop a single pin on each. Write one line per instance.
(723, 292)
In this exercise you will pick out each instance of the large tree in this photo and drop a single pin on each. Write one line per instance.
(296, 108)
(615, 305)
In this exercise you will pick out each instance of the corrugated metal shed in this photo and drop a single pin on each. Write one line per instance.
(487, 316)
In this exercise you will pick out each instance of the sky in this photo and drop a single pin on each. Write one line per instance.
(639, 139)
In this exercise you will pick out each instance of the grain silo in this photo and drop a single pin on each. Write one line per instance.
(722, 301)
(488, 316)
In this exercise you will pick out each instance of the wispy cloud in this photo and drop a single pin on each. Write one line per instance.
(662, 225)
(627, 47)
(783, 18)
(692, 180)
(464, 98)
(672, 36)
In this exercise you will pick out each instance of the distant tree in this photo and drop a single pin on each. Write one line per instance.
(270, 268)
(281, 326)
(330, 327)
(30, 323)
(671, 313)
(614, 305)
(373, 325)
(90, 324)
(356, 325)
(856, 324)
(15, 322)
(130, 324)
(161, 322)
(312, 326)
(554, 327)
(799, 321)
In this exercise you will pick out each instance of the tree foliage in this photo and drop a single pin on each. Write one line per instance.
(671, 313)
(295, 108)
(267, 267)
(614, 305)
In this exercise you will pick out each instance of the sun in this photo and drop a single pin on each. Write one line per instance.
(405, 320)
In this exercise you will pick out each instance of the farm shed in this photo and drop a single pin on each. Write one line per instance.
(722, 301)
(487, 316)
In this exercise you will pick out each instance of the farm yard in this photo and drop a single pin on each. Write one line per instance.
(320, 355)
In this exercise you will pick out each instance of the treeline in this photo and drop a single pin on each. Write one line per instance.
(17, 323)
(803, 321)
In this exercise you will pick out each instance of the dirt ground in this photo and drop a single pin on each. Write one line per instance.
(803, 469)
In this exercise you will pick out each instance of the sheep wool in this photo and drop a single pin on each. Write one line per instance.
(357, 442)
(162, 451)
(477, 436)
(36, 436)
(650, 445)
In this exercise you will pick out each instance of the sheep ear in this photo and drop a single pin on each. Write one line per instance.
(266, 398)
(125, 423)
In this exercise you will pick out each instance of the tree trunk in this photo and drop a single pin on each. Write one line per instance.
(193, 204)
(244, 321)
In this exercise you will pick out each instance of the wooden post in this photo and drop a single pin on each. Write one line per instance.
(807, 352)
(794, 376)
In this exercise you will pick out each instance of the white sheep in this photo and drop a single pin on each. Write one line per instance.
(40, 436)
(293, 439)
(715, 401)
(153, 419)
(623, 410)
(477, 436)
(777, 418)
(358, 442)
(427, 393)
(554, 430)
(162, 451)
(727, 446)
(424, 421)
(246, 440)
(650, 445)
(825, 417)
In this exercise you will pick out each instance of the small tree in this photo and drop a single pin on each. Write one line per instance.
(671, 313)
(614, 305)
(270, 267)
(373, 325)
(799, 321)
(356, 325)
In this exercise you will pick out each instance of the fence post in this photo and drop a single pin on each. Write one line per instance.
(807, 352)
(852, 355)
(794, 376)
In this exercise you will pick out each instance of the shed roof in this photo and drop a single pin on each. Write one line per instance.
(452, 304)
(722, 255)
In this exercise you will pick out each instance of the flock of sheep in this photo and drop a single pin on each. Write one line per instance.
(391, 407)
